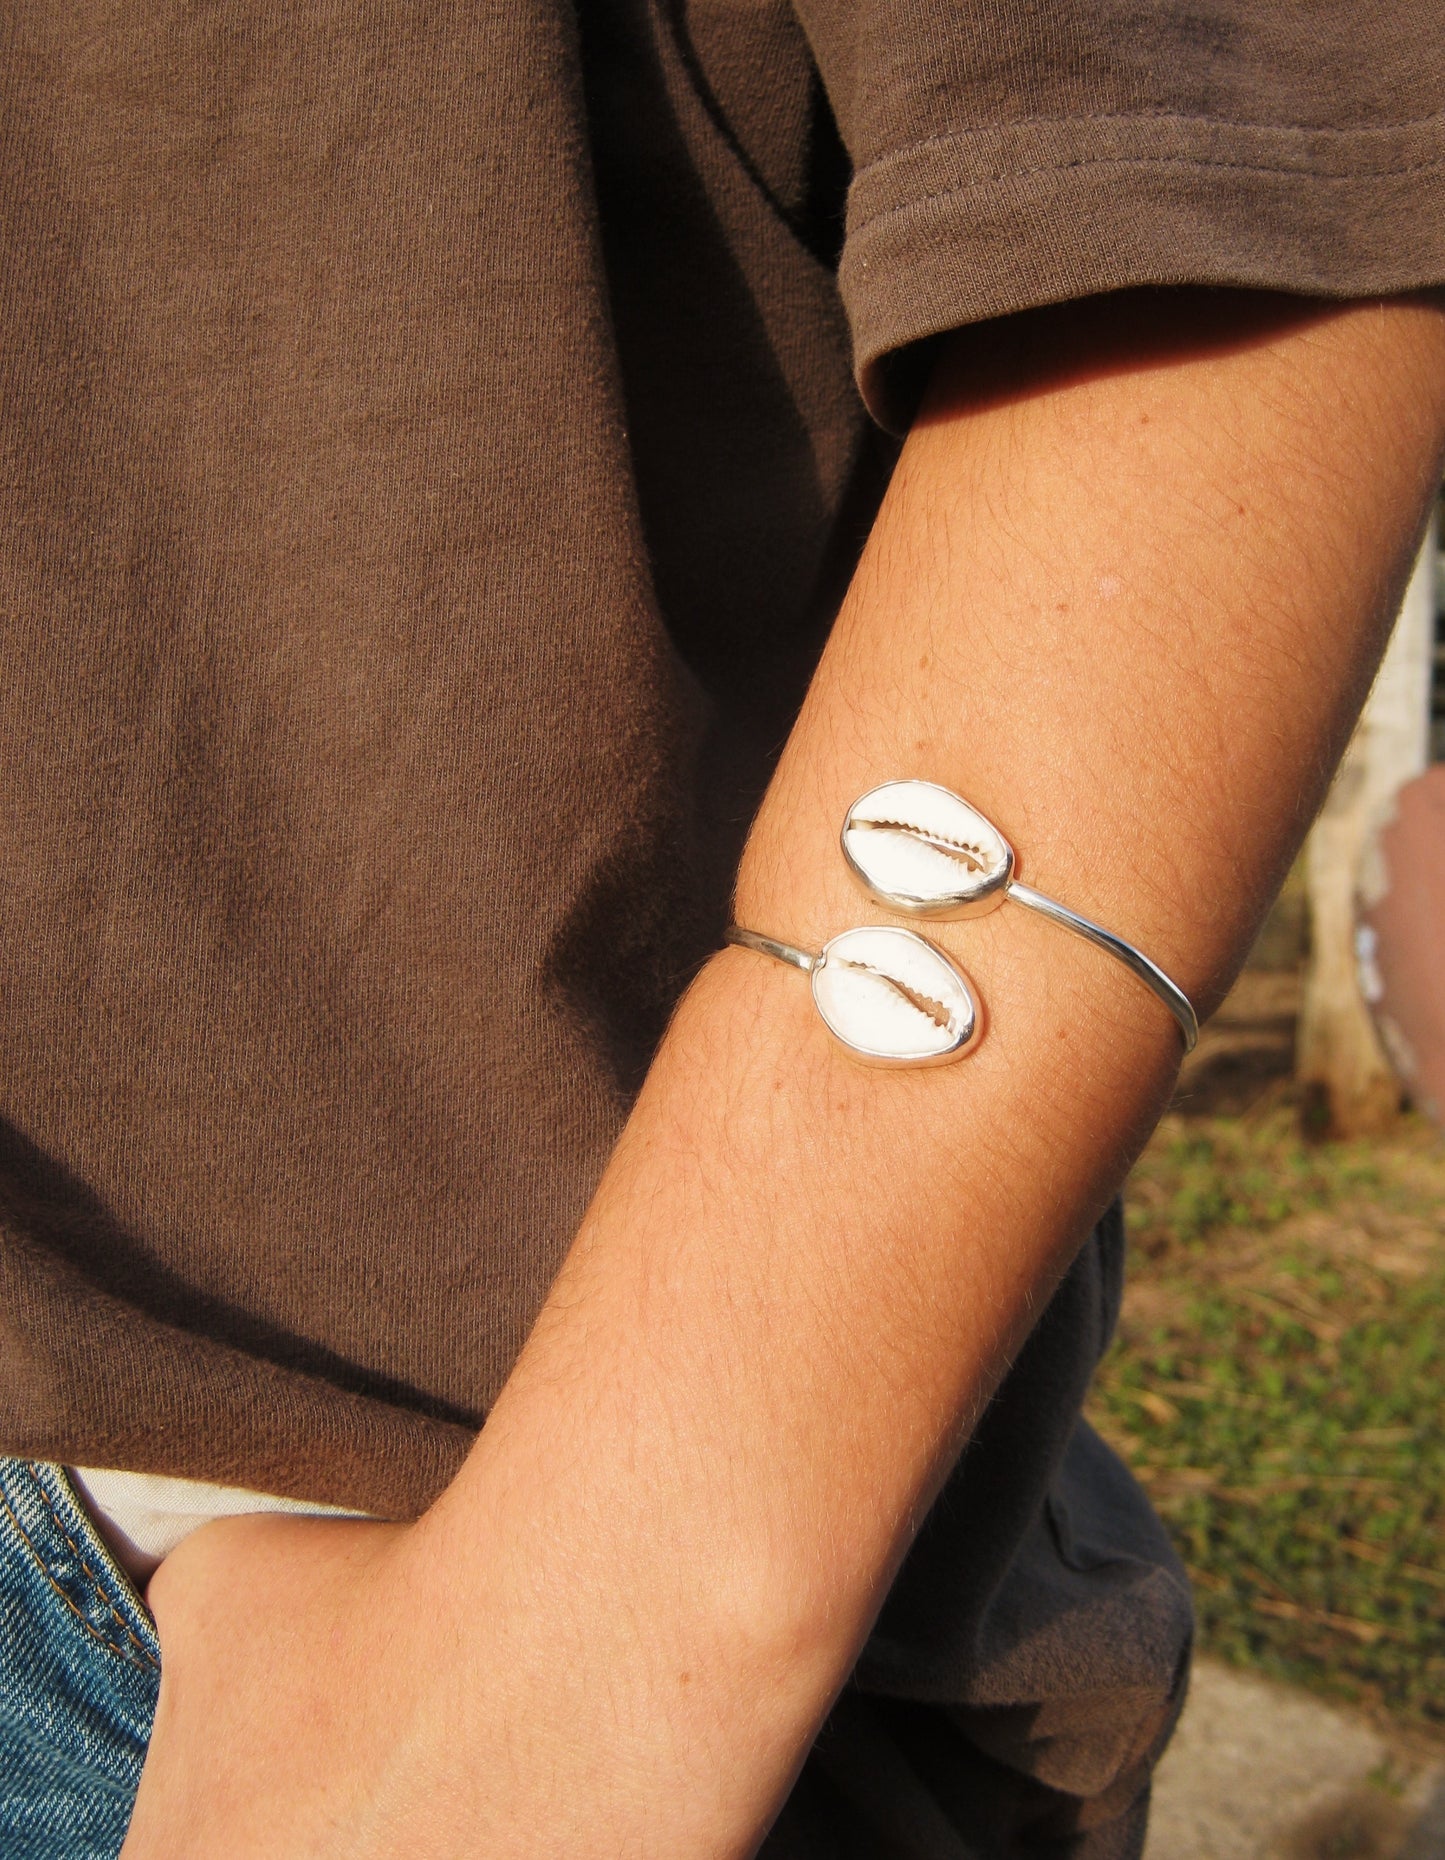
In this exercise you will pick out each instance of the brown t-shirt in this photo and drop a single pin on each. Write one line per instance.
(431, 457)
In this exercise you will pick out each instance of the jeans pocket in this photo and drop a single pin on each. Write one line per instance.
(79, 1676)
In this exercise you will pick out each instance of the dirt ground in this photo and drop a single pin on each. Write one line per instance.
(1261, 1772)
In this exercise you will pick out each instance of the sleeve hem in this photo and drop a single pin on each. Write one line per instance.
(982, 224)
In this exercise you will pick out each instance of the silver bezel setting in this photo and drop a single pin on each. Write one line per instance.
(966, 1023)
(958, 832)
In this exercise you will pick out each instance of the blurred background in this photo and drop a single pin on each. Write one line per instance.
(1278, 1380)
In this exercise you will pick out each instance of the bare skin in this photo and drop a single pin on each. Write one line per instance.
(1126, 594)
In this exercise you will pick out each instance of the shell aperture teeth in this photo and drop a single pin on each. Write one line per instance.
(937, 1012)
(971, 856)
(926, 851)
(893, 998)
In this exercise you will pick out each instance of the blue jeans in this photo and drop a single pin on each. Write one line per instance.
(79, 1672)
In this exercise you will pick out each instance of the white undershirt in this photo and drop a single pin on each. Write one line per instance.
(143, 1516)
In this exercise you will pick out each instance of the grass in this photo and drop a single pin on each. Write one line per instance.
(1278, 1384)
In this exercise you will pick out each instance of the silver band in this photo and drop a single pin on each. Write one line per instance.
(770, 946)
(1134, 960)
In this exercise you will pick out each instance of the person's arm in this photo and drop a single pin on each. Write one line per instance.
(1125, 594)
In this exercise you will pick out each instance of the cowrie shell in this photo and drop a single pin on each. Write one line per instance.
(925, 851)
(892, 998)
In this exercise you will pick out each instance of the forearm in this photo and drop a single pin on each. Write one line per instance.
(1086, 606)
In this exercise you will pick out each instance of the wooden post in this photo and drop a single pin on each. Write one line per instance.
(1349, 1089)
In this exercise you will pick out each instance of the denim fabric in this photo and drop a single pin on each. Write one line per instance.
(79, 1674)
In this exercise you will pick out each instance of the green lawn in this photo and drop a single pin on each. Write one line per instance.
(1279, 1386)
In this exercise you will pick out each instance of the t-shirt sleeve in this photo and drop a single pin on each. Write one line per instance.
(1011, 153)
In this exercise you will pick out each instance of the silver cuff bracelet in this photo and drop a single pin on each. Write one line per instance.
(891, 996)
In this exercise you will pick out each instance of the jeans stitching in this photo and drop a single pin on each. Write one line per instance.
(142, 1653)
(100, 1588)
